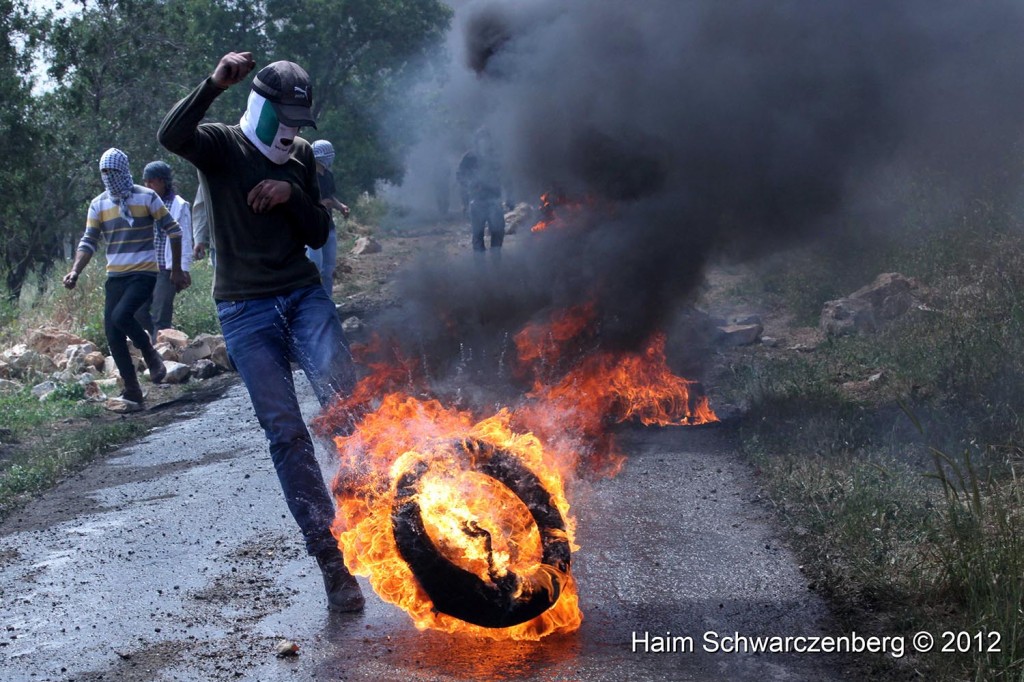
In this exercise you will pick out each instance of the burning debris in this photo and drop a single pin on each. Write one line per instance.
(674, 132)
(465, 523)
(499, 598)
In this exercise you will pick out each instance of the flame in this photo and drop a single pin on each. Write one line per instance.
(463, 511)
(601, 389)
(537, 343)
(556, 209)
(475, 522)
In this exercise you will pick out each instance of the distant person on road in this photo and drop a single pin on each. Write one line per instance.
(124, 217)
(158, 313)
(264, 198)
(326, 257)
(202, 225)
(480, 177)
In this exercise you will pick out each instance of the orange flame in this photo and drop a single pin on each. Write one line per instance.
(555, 209)
(404, 430)
(474, 521)
(601, 389)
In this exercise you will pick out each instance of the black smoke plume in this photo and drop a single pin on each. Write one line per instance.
(697, 128)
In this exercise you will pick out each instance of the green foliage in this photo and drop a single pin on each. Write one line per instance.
(194, 310)
(113, 93)
(369, 210)
(57, 454)
(897, 538)
(21, 412)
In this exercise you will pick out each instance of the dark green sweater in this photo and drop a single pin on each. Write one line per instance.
(258, 254)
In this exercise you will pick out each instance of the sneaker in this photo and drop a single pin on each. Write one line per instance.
(343, 593)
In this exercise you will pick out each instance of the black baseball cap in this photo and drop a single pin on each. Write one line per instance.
(286, 86)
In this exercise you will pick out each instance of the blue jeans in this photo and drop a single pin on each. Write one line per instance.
(486, 212)
(263, 336)
(326, 258)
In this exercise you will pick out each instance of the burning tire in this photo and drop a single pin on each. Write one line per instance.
(505, 600)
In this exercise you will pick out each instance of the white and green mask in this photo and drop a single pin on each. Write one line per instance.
(262, 127)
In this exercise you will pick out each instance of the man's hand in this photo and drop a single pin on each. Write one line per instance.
(232, 68)
(181, 280)
(344, 210)
(199, 251)
(268, 194)
(70, 280)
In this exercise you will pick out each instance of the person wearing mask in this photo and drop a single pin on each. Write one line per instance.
(124, 217)
(326, 257)
(264, 197)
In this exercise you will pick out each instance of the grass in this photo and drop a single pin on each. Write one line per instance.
(36, 455)
(899, 534)
(41, 454)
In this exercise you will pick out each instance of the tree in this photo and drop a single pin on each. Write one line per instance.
(119, 65)
(361, 55)
(22, 210)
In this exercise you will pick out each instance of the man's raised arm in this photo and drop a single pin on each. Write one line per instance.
(179, 131)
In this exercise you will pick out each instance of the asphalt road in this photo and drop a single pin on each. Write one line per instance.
(175, 559)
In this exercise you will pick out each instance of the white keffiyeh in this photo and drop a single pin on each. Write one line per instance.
(117, 179)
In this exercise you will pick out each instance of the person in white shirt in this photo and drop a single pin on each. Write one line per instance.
(159, 311)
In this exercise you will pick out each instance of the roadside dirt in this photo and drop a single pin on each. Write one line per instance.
(175, 558)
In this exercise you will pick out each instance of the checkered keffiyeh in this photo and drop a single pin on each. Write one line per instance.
(117, 179)
(323, 151)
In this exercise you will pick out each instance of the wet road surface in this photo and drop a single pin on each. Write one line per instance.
(176, 559)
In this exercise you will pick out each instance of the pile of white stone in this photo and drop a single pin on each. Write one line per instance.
(50, 358)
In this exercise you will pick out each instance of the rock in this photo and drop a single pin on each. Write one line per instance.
(110, 367)
(32, 362)
(82, 349)
(95, 359)
(847, 316)
(746, 319)
(286, 647)
(890, 295)
(66, 377)
(887, 298)
(44, 389)
(121, 405)
(199, 349)
(739, 334)
(221, 358)
(177, 373)
(74, 357)
(7, 386)
(14, 352)
(522, 216)
(173, 337)
(110, 385)
(351, 324)
(205, 368)
(365, 245)
(769, 341)
(167, 352)
(48, 341)
(93, 392)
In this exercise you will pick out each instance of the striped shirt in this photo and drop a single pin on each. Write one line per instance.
(130, 248)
